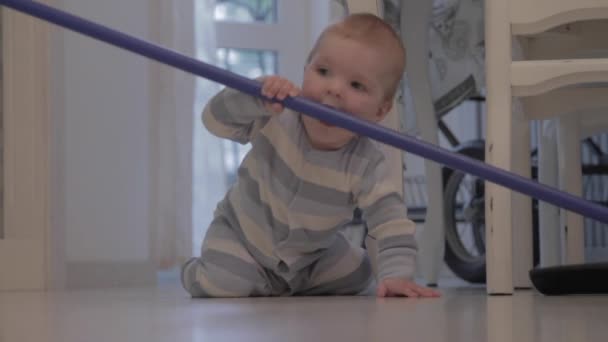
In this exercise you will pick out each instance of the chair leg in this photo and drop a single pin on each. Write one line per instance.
(570, 175)
(548, 214)
(523, 247)
(499, 263)
(415, 18)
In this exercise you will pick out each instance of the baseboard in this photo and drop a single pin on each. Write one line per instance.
(88, 275)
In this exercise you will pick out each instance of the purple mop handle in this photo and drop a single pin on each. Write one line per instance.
(299, 104)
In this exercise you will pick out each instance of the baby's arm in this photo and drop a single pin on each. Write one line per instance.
(386, 216)
(236, 116)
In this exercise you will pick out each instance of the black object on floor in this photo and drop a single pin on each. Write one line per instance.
(571, 279)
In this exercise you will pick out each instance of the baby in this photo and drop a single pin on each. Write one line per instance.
(278, 231)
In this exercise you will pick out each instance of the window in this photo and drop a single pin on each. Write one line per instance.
(255, 38)
(280, 27)
(246, 11)
(252, 38)
(252, 64)
(247, 62)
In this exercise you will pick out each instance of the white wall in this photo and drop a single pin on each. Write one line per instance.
(101, 149)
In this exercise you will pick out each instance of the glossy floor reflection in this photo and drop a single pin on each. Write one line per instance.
(169, 315)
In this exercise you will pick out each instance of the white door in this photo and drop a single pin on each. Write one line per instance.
(25, 153)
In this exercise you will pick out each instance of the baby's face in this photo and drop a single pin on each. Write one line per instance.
(346, 75)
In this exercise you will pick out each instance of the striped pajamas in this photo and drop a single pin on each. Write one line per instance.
(278, 229)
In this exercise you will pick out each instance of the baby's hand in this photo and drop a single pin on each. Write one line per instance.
(396, 287)
(279, 88)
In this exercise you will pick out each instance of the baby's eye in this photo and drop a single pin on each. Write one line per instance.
(322, 71)
(357, 85)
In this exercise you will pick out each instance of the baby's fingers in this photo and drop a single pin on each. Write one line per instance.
(287, 89)
(426, 292)
(271, 86)
(409, 292)
(279, 88)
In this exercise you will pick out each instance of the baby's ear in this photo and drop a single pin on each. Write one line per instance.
(384, 109)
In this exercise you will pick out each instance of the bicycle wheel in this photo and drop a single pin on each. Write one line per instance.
(464, 210)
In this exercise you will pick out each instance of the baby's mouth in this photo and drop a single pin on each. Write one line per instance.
(324, 123)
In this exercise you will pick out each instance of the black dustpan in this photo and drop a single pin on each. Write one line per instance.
(571, 279)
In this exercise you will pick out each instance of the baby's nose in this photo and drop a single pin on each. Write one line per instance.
(334, 88)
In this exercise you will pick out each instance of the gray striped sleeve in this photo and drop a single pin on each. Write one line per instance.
(233, 115)
(386, 217)
(394, 233)
(397, 257)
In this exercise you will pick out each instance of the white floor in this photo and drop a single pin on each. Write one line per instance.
(167, 314)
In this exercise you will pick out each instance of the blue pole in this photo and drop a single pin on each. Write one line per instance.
(299, 104)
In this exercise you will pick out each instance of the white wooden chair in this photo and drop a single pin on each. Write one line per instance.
(549, 89)
(581, 113)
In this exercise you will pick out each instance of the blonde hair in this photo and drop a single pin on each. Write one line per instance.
(374, 32)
